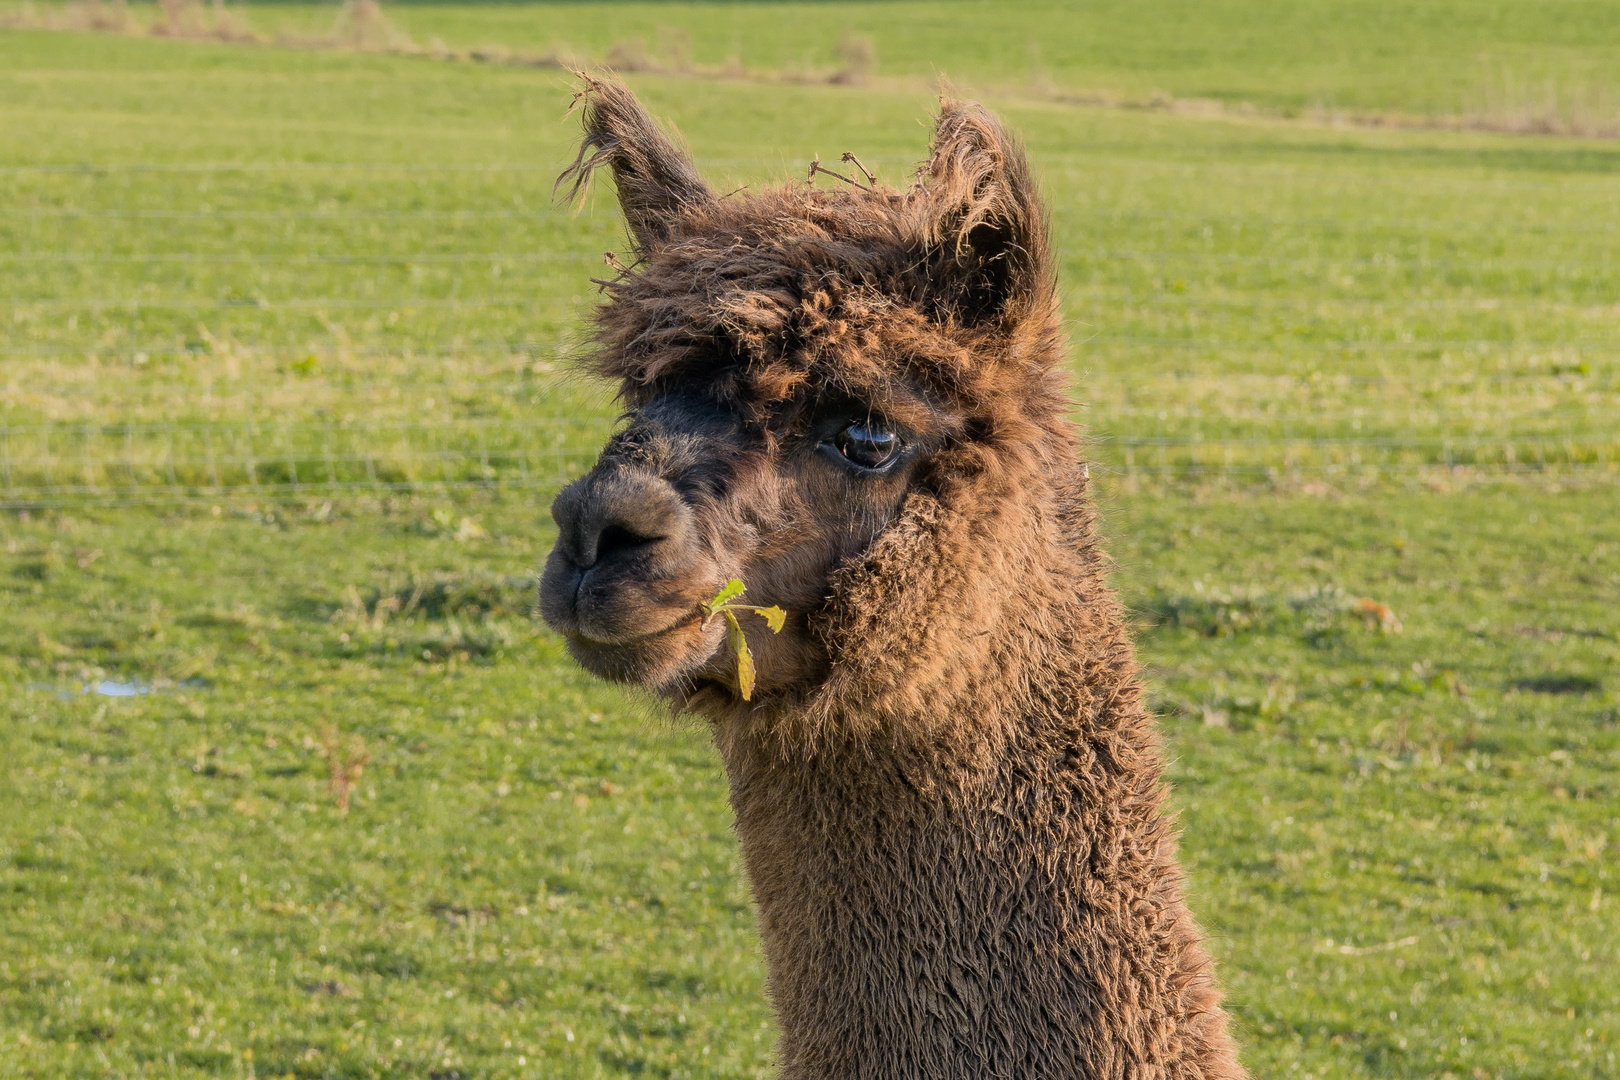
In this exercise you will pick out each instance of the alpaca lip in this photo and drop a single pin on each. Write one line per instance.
(632, 641)
(611, 605)
(657, 659)
(559, 595)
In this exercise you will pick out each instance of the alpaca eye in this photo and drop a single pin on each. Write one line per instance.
(866, 445)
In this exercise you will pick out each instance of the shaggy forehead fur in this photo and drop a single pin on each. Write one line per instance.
(935, 299)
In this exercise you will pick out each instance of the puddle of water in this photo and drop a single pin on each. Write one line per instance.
(117, 688)
(114, 688)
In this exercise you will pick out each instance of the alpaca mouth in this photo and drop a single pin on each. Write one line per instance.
(657, 659)
(625, 626)
(632, 641)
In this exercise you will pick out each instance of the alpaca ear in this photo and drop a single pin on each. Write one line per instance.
(984, 226)
(657, 182)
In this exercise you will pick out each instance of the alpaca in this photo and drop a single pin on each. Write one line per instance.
(947, 790)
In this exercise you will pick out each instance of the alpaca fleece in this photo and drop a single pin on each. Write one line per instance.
(947, 789)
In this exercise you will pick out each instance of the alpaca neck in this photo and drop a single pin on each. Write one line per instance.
(981, 891)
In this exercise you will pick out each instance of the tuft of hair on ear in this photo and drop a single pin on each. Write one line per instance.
(656, 180)
(983, 223)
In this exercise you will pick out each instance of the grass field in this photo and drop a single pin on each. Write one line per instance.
(1550, 63)
(283, 404)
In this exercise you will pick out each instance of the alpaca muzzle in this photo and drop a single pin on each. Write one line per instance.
(627, 565)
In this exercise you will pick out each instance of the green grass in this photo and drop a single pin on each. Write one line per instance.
(323, 240)
(1438, 58)
(1443, 58)
(1397, 842)
(326, 294)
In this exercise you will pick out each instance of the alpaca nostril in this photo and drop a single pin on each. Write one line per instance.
(617, 538)
(617, 514)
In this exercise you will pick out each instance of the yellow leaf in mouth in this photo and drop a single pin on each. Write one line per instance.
(774, 617)
(745, 659)
(728, 592)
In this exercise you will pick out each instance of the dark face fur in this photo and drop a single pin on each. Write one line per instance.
(796, 365)
(689, 496)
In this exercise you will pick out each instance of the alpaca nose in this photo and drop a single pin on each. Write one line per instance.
(617, 516)
(625, 544)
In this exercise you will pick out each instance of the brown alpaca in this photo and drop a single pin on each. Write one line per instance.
(946, 787)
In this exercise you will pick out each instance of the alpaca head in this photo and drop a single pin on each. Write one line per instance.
(803, 369)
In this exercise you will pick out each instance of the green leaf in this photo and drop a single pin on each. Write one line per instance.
(774, 617)
(745, 659)
(730, 591)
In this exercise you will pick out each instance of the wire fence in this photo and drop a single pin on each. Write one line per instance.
(126, 463)
(1286, 262)
(163, 462)
(128, 301)
(1078, 328)
(1188, 457)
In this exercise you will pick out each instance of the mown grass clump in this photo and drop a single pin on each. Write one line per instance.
(470, 615)
(1314, 612)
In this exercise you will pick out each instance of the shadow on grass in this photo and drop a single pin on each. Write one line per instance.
(1560, 684)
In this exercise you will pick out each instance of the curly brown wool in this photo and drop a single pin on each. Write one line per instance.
(947, 789)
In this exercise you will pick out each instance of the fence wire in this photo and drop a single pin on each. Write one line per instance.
(157, 463)
(126, 296)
